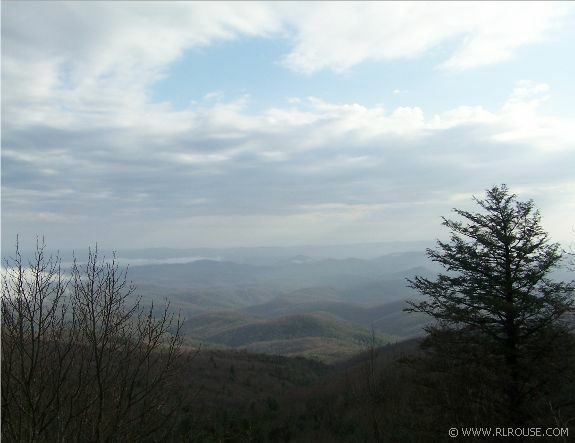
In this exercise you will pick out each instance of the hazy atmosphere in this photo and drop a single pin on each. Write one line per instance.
(151, 124)
(287, 221)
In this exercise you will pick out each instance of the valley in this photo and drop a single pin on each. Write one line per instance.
(326, 309)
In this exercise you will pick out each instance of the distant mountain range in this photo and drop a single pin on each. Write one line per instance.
(323, 308)
(205, 285)
(245, 255)
(289, 301)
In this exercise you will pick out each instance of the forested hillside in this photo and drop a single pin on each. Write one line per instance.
(488, 340)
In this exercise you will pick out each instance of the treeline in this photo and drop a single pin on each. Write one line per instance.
(83, 360)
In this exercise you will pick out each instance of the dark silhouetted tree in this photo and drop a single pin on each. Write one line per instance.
(82, 359)
(500, 321)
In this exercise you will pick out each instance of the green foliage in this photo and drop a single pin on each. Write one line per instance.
(320, 336)
(500, 337)
(499, 318)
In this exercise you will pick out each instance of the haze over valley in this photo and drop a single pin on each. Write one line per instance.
(287, 221)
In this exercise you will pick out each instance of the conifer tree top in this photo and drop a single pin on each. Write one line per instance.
(497, 263)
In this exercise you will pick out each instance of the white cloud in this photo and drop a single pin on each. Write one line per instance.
(93, 63)
(214, 96)
(99, 55)
(196, 158)
(493, 32)
(463, 115)
(311, 171)
(88, 59)
(528, 90)
(524, 122)
(83, 141)
(340, 36)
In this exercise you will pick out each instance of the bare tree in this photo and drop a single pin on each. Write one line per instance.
(372, 389)
(82, 358)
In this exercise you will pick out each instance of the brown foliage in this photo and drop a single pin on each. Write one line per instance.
(82, 359)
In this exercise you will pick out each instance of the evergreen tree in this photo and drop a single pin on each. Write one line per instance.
(499, 317)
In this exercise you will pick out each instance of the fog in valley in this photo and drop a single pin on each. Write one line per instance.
(283, 221)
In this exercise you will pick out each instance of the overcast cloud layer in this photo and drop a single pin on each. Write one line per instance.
(88, 155)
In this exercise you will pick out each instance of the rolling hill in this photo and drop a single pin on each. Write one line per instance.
(298, 306)
(388, 318)
(317, 335)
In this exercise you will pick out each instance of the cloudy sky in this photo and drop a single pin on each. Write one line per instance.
(143, 124)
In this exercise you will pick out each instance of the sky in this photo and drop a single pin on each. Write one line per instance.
(192, 124)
